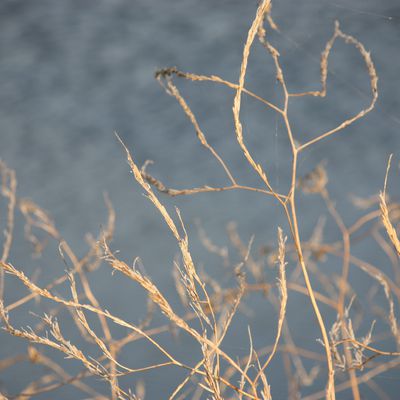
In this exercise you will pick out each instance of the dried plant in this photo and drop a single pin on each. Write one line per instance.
(348, 357)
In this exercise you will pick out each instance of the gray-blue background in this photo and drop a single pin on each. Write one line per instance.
(72, 72)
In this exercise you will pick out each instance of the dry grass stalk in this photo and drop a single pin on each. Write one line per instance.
(391, 231)
(210, 307)
(37, 357)
(8, 190)
(283, 299)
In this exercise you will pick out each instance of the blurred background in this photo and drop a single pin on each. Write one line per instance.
(74, 72)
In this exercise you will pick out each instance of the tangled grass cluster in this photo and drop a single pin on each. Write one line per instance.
(348, 357)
